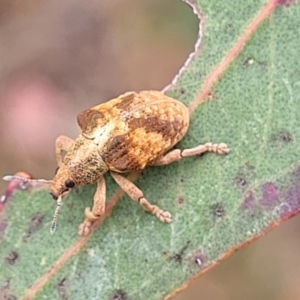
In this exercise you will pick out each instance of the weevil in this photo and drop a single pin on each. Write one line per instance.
(128, 133)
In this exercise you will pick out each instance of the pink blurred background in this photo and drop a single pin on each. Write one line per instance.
(58, 58)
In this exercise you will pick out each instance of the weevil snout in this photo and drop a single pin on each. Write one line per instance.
(55, 197)
(58, 189)
(61, 184)
(61, 194)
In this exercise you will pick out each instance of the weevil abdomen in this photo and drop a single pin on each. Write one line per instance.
(148, 124)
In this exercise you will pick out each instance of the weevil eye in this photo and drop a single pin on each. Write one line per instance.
(69, 183)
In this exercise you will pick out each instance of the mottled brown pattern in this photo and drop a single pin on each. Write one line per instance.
(131, 105)
(116, 154)
(88, 119)
(134, 150)
(126, 100)
(151, 124)
(155, 124)
(107, 112)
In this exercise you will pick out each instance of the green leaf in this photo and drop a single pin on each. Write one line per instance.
(218, 203)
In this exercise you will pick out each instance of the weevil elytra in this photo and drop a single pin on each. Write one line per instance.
(122, 135)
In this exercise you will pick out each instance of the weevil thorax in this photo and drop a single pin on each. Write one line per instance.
(82, 165)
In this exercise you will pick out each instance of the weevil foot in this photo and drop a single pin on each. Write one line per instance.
(84, 228)
(90, 218)
(221, 149)
(163, 216)
(167, 216)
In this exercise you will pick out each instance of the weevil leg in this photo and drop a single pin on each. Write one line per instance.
(98, 208)
(62, 143)
(137, 195)
(177, 154)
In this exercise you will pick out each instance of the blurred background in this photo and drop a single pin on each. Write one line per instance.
(59, 58)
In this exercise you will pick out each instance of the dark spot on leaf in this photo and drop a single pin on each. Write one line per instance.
(218, 210)
(12, 257)
(248, 62)
(270, 195)
(291, 206)
(249, 201)
(5, 292)
(199, 258)
(240, 181)
(179, 256)
(180, 200)
(281, 138)
(182, 91)
(61, 289)
(181, 180)
(285, 137)
(119, 295)
(35, 223)
(243, 176)
(285, 2)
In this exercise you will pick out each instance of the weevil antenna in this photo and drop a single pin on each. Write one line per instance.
(55, 216)
(25, 180)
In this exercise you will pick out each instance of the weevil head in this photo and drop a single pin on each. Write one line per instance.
(62, 183)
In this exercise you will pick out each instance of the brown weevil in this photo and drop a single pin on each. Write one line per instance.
(122, 135)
